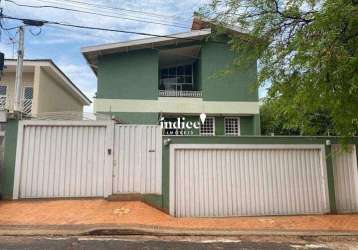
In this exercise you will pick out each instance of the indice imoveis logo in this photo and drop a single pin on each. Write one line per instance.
(180, 125)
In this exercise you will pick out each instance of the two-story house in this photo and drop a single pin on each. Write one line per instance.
(45, 88)
(146, 80)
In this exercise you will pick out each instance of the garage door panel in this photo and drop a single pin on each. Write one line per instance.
(60, 159)
(248, 181)
(137, 159)
(345, 178)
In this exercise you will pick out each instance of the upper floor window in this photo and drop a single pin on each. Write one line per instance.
(232, 125)
(177, 78)
(3, 89)
(28, 93)
(208, 127)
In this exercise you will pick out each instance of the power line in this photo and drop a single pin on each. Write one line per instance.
(108, 9)
(92, 13)
(7, 29)
(35, 33)
(12, 38)
(117, 8)
(101, 29)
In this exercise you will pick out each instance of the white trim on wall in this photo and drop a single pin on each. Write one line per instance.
(176, 105)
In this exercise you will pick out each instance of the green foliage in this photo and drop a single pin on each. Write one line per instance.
(307, 50)
(277, 123)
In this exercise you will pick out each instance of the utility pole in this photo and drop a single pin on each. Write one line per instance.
(19, 69)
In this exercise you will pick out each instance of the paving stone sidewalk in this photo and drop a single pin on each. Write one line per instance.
(95, 214)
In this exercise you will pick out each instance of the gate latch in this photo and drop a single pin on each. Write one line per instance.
(109, 151)
(151, 150)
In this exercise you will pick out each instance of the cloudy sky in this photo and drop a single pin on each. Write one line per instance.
(62, 44)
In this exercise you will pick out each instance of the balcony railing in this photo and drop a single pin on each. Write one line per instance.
(7, 103)
(3, 103)
(179, 93)
(26, 106)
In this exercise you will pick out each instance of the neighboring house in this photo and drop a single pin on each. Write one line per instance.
(45, 88)
(141, 81)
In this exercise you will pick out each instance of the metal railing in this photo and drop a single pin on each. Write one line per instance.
(26, 105)
(3, 103)
(7, 103)
(179, 93)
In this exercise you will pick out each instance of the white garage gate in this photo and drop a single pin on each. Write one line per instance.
(60, 159)
(137, 159)
(246, 180)
(345, 178)
(63, 159)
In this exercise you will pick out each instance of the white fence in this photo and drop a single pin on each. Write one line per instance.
(137, 159)
(63, 159)
(98, 158)
(245, 180)
(345, 178)
(86, 159)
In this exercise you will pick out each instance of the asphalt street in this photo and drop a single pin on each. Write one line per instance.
(151, 242)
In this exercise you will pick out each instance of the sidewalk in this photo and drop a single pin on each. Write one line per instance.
(85, 216)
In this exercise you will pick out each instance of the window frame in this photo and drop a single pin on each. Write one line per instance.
(4, 98)
(178, 85)
(6, 87)
(238, 126)
(208, 134)
(24, 91)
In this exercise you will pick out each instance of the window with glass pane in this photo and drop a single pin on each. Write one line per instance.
(28, 93)
(208, 127)
(163, 73)
(179, 77)
(3, 89)
(232, 125)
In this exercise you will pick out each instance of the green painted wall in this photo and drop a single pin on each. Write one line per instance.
(154, 200)
(257, 125)
(236, 86)
(132, 75)
(8, 170)
(219, 126)
(247, 124)
(136, 117)
(330, 179)
(135, 75)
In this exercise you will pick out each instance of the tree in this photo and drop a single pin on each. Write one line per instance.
(307, 51)
(278, 124)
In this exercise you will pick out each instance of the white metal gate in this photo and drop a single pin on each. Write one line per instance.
(137, 159)
(345, 178)
(246, 180)
(63, 159)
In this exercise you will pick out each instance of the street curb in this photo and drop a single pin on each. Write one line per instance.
(81, 230)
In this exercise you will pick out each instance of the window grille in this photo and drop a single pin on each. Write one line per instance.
(232, 125)
(208, 127)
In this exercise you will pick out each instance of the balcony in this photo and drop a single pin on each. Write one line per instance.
(179, 72)
(7, 103)
(180, 93)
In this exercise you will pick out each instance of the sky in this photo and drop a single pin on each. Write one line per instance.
(62, 44)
